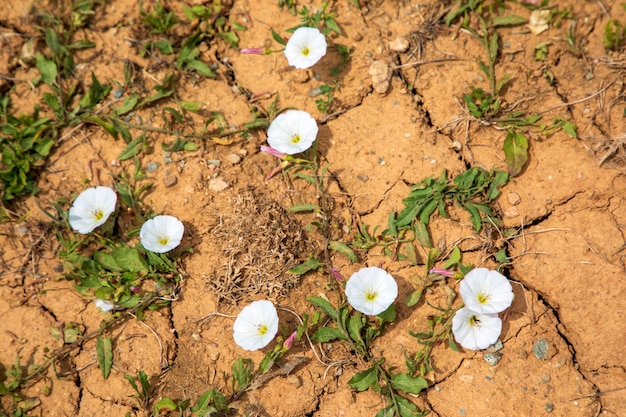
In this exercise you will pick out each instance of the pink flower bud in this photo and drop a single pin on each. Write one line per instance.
(441, 271)
(253, 51)
(272, 151)
(337, 275)
(289, 341)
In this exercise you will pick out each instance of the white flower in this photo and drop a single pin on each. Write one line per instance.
(475, 331)
(256, 325)
(161, 234)
(92, 208)
(305, 47)
(371, 290)
(485, 291)
(292, 132)
(104, 305)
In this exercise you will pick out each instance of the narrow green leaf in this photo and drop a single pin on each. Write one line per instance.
(343, 249)
(132, 149)
(355, 325)
(453, 259)
(299, 208)
(201, 68)
(515, 151)
(500, 179)
(499, 21)
(128, 105)
(52, 40)
(422, 235)
(107, 261)
(104, 351)
(278, 38)
(306, 266)
(407, 408)
(190, 105)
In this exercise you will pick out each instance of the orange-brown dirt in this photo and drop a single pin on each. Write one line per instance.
(568, 205)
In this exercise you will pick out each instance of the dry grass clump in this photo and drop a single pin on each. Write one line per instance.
(260, 242)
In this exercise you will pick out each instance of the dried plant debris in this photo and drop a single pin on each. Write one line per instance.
(259, 242)
(612, 152)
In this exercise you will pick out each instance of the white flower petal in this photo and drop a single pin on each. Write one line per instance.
(292, 132)
(371, 290)
(485, 291)
(475, 331)
(104, 305)
(305, 47)
(92, 208)
(161, 234)
(256, 325)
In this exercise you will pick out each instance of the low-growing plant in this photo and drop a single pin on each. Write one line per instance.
(614, 35)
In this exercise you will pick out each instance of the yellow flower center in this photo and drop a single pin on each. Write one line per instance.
(482, 298)
(305, 51)
(474, 321)
(295, 139)
(98, 214)
(163, 240)
(263, 329)
(371, 295)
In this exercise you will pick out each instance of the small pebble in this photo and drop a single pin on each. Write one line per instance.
(170, 180)
(549, 407)
(314, 92)
(514, 198)
(218, 184)
(399, 45)
(152, 166)
(233, 158)
(540, 349)
(493, 358)
(545, 378)
(117, 93)
(363, 177)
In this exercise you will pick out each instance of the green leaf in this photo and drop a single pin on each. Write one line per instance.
(209, 403)
(299, 208)
(409, 384)
(190, 105)
(107, 261)
(52, 40)
(130, 259)
(343, 249)
(569, 128)
(326, 334)
(132, 149)
(515, 151)
(47, 68)
(128, 104)
(104, 352)
(355, 325)
(325, 306)
(201, 68)
(513, 20)
(364, 380)
(389, 315)
(165, 404)
(422, 235)
(453, 259)
(407, 408)
(500, 179)
(306, 266)
(278, 38)
(414, 297)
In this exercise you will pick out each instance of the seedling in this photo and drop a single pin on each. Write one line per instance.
(614, 35)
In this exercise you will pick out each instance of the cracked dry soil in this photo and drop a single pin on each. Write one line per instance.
(568, 207)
